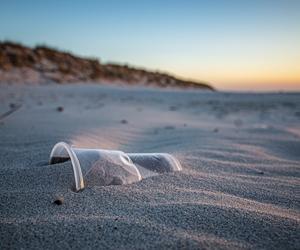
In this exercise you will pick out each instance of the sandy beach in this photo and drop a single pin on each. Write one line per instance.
(239, 187)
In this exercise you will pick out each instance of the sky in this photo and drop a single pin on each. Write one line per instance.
(233, 44)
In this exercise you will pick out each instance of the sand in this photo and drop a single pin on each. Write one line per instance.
(239, 187)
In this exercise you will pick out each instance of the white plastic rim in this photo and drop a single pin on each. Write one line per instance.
(58, 149)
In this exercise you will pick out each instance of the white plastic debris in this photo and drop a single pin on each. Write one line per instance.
(98, 167)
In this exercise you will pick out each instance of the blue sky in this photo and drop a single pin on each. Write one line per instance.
(239, 45)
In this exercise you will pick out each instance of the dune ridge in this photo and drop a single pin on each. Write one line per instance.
(42, 64)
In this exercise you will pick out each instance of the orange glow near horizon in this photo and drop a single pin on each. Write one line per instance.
(259, 86)
(251, 81)
(268, 77)
(256, 81)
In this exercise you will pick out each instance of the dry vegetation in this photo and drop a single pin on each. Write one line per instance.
(43, 64)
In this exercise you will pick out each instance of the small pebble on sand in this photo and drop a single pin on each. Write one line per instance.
(12, 105)
(60, 109)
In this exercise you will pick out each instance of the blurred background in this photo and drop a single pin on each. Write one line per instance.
(234, 45)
